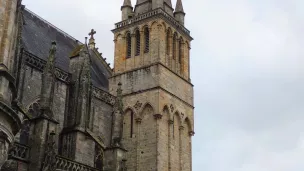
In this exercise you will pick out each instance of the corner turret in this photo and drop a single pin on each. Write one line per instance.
(179, 13)
(126, 10)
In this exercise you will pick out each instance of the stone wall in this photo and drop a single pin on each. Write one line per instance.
(31, 90)
(102, 120)
(85, 149)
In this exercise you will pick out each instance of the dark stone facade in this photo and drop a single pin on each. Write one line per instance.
(65, 113)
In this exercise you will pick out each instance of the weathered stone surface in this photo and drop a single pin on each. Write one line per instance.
(10, 165)
(72, 109)
(158, 95)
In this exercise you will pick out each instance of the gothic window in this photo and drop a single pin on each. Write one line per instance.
(137, 36)
(129, 43)
(24, 132)
(147, 39)
(174, 45)
(180, 49)
(128, 124)
(98, 157)
(173, 127)
(168, 42)
(132, 119)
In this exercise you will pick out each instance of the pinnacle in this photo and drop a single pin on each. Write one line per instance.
(140, 1)
(179, 6)
(127, 3)
(168, 2)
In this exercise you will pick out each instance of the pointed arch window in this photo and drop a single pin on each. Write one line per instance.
(129, 45)
(99, 156)
(132, 122)
(147, 39)
(180, 51)
(137, 36)
(168, 43)
(174, 45)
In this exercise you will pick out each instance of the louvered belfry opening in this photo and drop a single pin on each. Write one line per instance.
(137, 37)
(129, 45)
(147, 39)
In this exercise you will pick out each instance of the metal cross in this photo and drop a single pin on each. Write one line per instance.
(92, 33)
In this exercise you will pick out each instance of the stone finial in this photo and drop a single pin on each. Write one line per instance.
(127, 3)
(179, 7)
(48, 81)
(51, 58)
(118, 106)
(168, 2)
(92, 40)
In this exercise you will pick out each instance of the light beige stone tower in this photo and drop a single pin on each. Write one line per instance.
(152, 53)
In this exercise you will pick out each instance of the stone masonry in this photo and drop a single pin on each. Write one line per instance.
(63, 108)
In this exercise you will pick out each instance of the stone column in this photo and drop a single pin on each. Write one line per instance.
(138, 122)
(158, 117)
(170, 122)
(181, 146)
(3, 147)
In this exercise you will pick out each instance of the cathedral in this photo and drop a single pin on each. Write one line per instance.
(64, 108)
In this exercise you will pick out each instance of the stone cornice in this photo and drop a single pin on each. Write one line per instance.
(149, 65)
(103, 60)
(163, 89)
(39, 64)
(159, 12)
(104, 96)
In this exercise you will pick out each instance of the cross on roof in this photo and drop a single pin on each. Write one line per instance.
(92, 33)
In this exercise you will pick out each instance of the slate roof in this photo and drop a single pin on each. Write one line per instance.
(37, 35)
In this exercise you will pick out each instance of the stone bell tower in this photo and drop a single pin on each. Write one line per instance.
(151, 60)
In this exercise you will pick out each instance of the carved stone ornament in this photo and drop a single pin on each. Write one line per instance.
(138, 120)
(10, 165)
(104, 96)
(191, 133)
(158, 116)
(39, 64)
(49, 163)
(172, 108)
(138, 105)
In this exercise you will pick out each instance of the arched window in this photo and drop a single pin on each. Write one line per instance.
(129, 43)
(128, 124)
(180, 51)
(174, 45)
(137, 36)
(168, 43)
(147, 39)
(99, 156)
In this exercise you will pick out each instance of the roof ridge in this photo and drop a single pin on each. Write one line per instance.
(52, 25)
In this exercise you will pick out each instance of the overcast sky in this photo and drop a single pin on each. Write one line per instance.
(247, 64)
